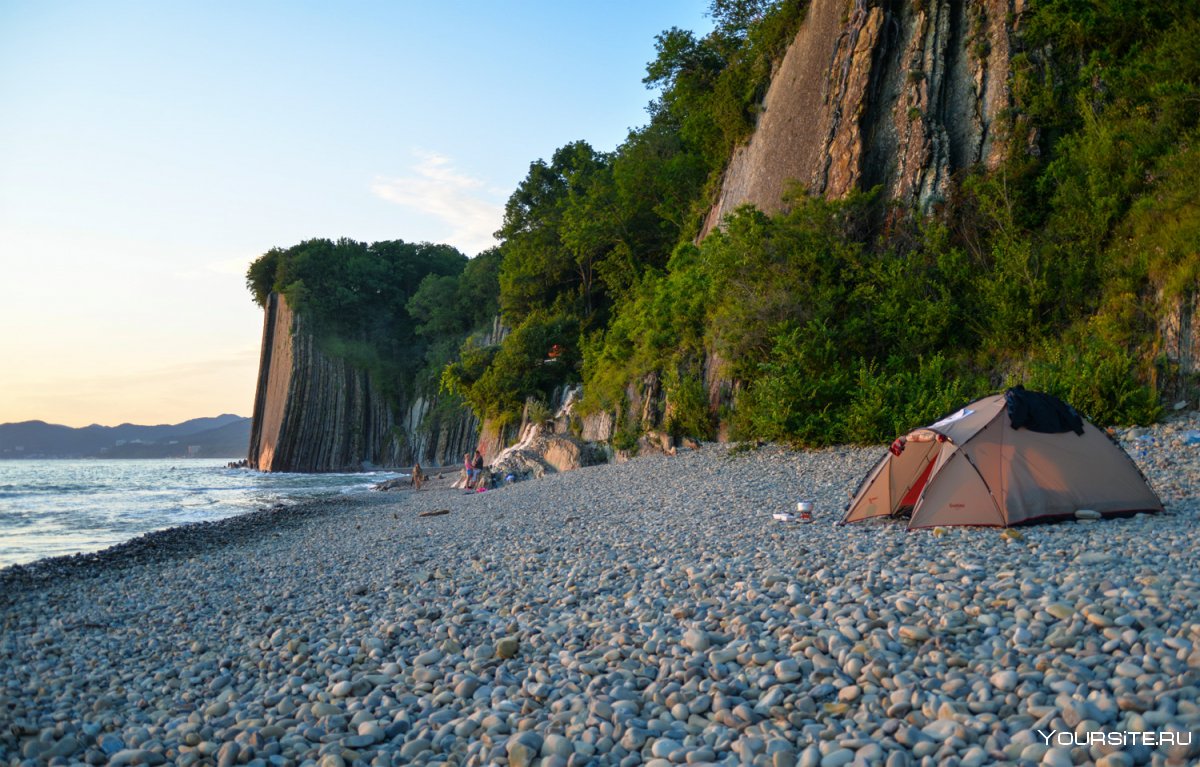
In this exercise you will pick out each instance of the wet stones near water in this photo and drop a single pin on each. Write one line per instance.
(648, 612)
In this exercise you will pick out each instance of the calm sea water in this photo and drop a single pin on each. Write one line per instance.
(51, 508)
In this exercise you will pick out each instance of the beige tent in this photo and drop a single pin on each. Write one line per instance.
(974, 468)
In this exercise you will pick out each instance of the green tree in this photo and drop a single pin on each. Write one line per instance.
(540, 270)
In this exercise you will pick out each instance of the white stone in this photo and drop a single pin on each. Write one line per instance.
(696, 640)
(1005, 680)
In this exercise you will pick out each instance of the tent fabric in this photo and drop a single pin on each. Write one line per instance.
(959, 490)
(974, 468)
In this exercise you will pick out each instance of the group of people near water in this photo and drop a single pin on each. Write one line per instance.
(476, 476)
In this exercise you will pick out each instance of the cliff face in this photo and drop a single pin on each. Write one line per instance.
(870, 93)
(1181, 341)
(314, 413)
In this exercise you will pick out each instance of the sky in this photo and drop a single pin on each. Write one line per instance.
(150, 151)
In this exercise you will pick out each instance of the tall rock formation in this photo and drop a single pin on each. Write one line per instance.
(879, 92)
(313, 412)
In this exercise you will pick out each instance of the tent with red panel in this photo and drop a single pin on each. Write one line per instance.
(1011, 458)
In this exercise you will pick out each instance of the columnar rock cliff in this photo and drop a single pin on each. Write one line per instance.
(1181, 341)
(313, 412)
(875, 92)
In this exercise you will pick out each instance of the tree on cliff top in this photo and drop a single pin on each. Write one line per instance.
(354, 298)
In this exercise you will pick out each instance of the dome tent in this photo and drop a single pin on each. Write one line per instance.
(975, 467)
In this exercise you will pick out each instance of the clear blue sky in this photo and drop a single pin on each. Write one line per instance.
(150, 150)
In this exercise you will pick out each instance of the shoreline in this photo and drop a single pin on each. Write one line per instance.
(152, 547)
(299, 495)
(149, 547)
(646, 612)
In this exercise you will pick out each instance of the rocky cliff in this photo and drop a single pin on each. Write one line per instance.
(895, 94)
(1180, 339)
(313, 412)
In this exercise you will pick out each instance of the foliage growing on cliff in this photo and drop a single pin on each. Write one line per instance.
(712, 87)
(837, 320)
(446, 308)
(583, 231)
(497, 380)
(354, 298)
(1050, 269)
(820, 328)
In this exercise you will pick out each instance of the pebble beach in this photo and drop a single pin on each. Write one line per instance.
(650, 612)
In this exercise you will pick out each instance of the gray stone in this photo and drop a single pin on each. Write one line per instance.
(787, 670)
(838, 758)
(556, 745)
(111, 744)
(696, 640)
(1058, 757)
(1005, 681)
(519, 754)
(941, 729)
(507, 647)
(810, 757)
(414, 747)
(133, 756)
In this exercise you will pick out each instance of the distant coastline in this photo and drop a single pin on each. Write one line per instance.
(165, 456)
(223, 436)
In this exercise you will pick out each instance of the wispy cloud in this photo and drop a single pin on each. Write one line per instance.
(437, 189)
(221, 267)
(230, 266)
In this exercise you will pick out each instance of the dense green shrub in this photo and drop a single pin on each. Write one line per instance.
(537, 411)
(688, 408)
(1099, 379)
(903, 394)
(658, 326)
(799, 392)
(496, 381)
(808, 394)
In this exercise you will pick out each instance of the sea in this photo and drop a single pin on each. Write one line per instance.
(51, 508)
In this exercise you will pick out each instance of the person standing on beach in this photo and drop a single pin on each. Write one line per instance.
(468, 468)
(477, 465)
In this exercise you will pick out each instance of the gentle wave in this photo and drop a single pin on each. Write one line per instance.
(52, 508)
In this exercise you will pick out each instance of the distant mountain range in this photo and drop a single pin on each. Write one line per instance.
(225, 436)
